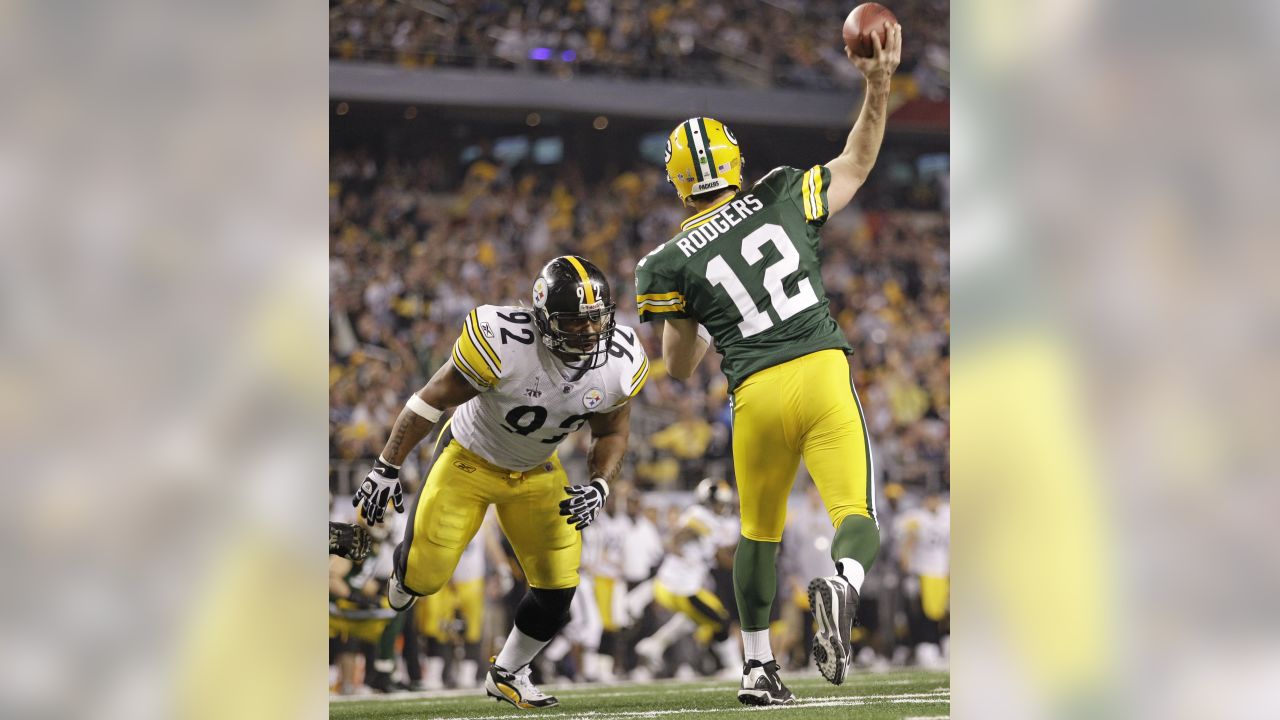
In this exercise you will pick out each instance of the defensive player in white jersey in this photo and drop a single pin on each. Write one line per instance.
(683, 583)
(522, 379)
(925, 534)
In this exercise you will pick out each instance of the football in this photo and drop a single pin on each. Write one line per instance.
(866, 19)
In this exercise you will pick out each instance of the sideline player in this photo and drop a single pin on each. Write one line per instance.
(744, 270)
(523, 379)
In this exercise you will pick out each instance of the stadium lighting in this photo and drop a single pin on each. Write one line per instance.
(540, 53)
(342, 108)
(601, 122)
(532, 119)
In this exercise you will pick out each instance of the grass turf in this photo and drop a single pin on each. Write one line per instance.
(896, 695)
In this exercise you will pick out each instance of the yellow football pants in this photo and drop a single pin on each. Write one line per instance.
(935, 596)
(435, 612)
(803, 408)
(451, 506)
(604, 588)
(704, 608)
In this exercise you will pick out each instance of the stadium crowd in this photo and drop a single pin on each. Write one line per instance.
(744, 42)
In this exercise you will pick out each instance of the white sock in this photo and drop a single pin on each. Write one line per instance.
(518, 651)
(852, 571)
(755, 645)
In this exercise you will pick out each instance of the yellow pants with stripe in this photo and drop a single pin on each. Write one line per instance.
(703, 607)
(452, 504)
(803, 408)
(436, 612)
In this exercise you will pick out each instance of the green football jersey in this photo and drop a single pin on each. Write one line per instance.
(747, 269)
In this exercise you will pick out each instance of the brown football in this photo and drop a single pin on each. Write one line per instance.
(866, 19)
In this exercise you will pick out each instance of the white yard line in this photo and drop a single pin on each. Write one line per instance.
(625, 689)
(837, 701)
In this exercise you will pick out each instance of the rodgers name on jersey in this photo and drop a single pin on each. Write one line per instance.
(529, 401)
(748, 270)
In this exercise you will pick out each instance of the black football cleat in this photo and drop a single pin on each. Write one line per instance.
(762, 686)
(834, 603)
(515, 688)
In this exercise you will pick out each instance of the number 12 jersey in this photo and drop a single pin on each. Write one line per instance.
(529, 401)
(748, 270)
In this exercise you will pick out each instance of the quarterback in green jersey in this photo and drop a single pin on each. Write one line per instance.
(744, 270)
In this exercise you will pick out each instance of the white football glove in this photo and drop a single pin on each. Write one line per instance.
(584, 502)
(381, 484)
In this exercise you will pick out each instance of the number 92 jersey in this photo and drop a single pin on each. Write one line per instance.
(526, 405)
(747, 269)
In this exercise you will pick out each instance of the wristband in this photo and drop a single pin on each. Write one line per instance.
(386, 469)
(603, 484)
(702, 333)
(419, 407)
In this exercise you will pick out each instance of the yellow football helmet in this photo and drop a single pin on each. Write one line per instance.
(702, 156)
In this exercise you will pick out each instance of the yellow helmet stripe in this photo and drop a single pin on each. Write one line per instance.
(587, 287)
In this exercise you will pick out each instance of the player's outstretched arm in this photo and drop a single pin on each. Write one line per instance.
(850, 169)
(684, 342)
(609, 433)
(446, 389)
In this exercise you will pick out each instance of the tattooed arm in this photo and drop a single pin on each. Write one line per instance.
(446, 389)
(609, 443)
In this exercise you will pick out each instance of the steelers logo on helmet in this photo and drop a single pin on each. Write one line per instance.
(576, 315)
(539, 292)
(592, 399)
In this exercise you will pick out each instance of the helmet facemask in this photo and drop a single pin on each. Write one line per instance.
(584, 335)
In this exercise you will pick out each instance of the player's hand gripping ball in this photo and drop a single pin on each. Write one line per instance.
(866, 20)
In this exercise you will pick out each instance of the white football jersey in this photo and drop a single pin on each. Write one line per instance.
(932, 552)
(722, 530)
(529, 401)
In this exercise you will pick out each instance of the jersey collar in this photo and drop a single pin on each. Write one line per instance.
(685, 225)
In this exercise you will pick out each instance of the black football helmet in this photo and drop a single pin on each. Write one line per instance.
(573, 308)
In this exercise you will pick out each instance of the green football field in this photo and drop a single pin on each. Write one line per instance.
(898, 695)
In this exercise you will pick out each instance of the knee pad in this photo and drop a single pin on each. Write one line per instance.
(543, 613)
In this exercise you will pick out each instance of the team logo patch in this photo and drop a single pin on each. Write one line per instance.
(465, 467)
(593, 398)
(566, 389)
(539, 293)
(486, 330)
